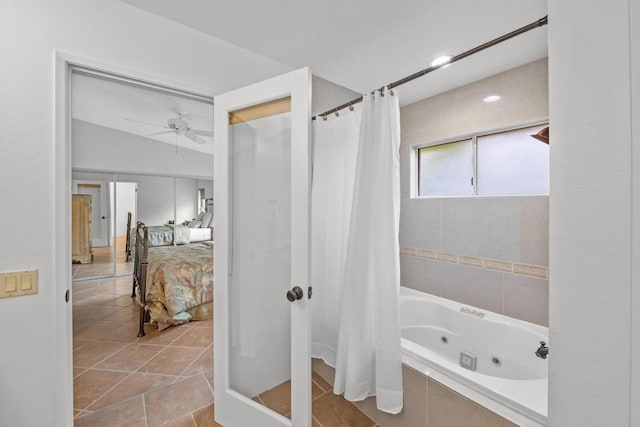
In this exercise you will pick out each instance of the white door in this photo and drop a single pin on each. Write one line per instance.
(261, 190)
(99, 209)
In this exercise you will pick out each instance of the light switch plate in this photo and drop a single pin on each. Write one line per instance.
(18, 283)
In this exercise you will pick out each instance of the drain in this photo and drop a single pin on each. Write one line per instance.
(444, 339)
(496, 361)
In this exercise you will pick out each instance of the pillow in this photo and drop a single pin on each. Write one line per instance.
(206, 220)
(200, 216)
(195, 224)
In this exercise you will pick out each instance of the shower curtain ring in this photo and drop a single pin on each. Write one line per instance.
(351, 106)
(324, 118)
(337, 113)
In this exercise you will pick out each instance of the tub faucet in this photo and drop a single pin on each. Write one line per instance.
(543, 350)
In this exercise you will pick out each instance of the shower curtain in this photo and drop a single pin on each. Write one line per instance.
(367, 359)
(334, 169)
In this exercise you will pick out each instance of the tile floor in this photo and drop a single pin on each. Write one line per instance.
(164, 378)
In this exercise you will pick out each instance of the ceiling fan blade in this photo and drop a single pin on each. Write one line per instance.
(147, 123)
(202, 132)
(160, 133)
(193, 137)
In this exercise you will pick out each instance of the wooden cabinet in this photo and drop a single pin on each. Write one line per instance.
(82, 251)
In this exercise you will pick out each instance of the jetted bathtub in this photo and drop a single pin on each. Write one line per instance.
(439, 336)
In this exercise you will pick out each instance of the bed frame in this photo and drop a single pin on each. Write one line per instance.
(127, 246)
(140, 271)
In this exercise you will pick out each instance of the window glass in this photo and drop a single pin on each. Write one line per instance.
(446, 170)
(502, 163)
(513, 163)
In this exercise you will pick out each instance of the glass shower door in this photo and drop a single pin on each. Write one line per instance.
(262, 345)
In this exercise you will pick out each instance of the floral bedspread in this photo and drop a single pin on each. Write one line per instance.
(180, 283)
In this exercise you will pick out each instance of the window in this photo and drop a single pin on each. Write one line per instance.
(501, 163)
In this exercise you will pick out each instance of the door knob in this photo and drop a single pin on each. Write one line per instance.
(295, 294)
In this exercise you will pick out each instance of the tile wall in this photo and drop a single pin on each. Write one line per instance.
(489, 252)
(427, 403)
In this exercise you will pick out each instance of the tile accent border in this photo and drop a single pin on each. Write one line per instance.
(537, 271)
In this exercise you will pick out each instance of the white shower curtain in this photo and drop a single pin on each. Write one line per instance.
(334, 170)
(368, 359)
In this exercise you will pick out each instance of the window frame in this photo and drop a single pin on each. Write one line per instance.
(414, 161)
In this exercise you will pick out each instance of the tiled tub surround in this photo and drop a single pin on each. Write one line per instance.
(515, 289)
(538, 271)
(440, 393)
(492, 230)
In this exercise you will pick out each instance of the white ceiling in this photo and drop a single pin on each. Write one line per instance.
(123, 107)
(359, 44)
(364, 44)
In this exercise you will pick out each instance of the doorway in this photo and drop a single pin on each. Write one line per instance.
(160, 180)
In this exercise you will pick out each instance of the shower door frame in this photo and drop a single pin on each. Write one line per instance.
(234, 409)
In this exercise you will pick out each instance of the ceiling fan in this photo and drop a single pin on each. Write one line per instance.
(179, 126)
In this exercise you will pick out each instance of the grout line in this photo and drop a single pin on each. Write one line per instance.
(316, 420)
(103, 394)
(144, 407)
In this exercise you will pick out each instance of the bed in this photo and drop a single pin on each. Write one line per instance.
(174, 283)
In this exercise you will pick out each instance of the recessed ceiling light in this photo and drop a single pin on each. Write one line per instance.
(441, 60)
(491, 98)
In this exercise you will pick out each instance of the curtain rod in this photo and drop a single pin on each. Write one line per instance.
(539, 23)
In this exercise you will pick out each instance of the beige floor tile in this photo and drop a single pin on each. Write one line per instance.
(121, 301)
(171, 360)
(196, 337)
(184, 421)
(202, 323)
(92, 384)
(209, 376)
(278, 398)
(334, 411)
(94, 311)
(78, 371)
(205, 417)
(165, 337)
(129, 413)
(203, 363)
(130, 358)
(324, 385)
(124, 315)
(95, 352)
(316, 391)
(79, 343)
(163, 405)
(134, 385)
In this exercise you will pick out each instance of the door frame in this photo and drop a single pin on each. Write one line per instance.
(63, 62)
(293, 84)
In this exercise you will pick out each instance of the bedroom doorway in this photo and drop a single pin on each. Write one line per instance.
(120, 136)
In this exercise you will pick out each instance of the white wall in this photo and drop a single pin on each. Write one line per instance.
(104, 149)
(110, 32)
(186, 199)
(594, 168)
